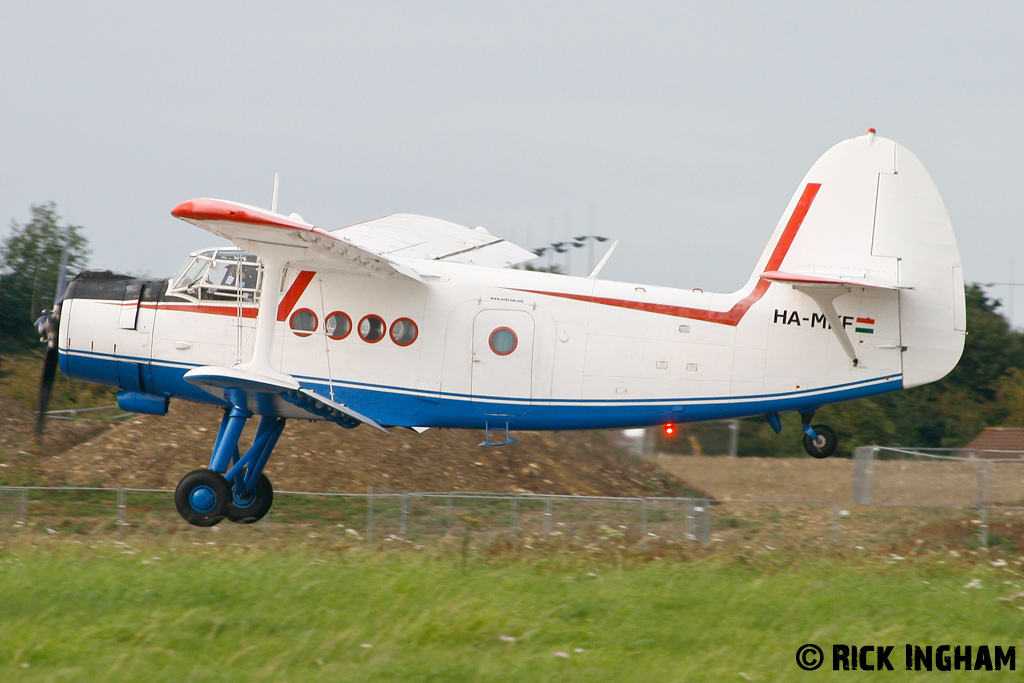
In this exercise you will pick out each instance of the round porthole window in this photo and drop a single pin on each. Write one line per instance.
(503, 341)
(404, 332)
(338, 325)
(303, 322)
(372, 328)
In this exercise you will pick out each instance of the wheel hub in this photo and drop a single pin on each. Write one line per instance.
(203, 499)
(243, 500)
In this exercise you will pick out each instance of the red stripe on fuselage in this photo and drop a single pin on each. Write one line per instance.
(739, 309)
(291, 297)
(232, 311)
(205, 309)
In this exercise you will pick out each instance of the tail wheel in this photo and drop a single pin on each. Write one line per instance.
(824, 445)
(251, 507)
(202, 497)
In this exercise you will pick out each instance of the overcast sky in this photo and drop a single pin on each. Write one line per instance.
(680, 128)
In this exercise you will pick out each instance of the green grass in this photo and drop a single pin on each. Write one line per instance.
(218, 606)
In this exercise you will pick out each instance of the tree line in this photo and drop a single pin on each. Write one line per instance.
(30, 259)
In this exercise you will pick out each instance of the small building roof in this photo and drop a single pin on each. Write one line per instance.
(996, 443)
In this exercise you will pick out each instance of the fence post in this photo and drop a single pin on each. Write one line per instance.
(405, 515)
(514, 516)
(448, 516)
(122, 507)
(837, 531)
(23, 513)
(863, 465)
(548, 513)
(984, 486)
(369, 515)
(734, 437)
(704, 528)
(643, 519)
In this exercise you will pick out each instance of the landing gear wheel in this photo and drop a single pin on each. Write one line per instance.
(202, 497)
(246, 509)
(824, 445)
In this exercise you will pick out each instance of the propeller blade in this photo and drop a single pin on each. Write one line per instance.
(62, 275)
(45, 387)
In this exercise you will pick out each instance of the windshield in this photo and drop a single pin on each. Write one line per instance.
(220, 275)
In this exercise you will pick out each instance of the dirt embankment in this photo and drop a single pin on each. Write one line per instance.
(892, 482)
(155, 452)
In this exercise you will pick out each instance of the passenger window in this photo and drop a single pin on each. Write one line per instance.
(338, 325)
(303, 322)
(371, 329)
(503, 341)
(404, 332)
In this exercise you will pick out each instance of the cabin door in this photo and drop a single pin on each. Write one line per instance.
(502, 383)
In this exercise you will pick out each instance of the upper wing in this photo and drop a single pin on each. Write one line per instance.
(400, 243)
(408, 236)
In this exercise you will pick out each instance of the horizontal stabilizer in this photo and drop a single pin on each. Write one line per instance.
(810, 280)
(277, 396)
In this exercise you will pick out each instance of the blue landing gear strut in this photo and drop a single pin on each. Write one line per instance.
(234, 486)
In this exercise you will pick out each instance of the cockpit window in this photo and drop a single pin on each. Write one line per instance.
(220, 275)
(193, 274)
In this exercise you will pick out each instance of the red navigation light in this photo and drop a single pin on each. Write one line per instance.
(670, 429)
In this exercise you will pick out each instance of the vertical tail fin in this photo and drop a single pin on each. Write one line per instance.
(867, 216)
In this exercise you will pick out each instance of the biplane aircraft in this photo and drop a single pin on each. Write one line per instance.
(408, 321)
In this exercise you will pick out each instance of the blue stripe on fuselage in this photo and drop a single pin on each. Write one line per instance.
(409, 407)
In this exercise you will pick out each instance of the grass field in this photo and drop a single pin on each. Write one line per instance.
(235, 604)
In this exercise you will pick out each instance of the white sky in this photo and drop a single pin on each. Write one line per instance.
(682, 128)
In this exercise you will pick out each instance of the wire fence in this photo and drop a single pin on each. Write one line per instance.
(983, 516)
(898, 498)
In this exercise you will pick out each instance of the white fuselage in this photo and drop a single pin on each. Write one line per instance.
(588, 353)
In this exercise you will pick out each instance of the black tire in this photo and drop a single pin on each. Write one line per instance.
(826, 443)
(255, 507)
(202, 497)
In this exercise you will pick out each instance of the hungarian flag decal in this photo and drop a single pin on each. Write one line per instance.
(865, 326)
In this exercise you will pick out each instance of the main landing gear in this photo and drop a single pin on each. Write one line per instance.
(234, 486)
(820, 441)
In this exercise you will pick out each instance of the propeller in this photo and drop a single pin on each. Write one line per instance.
(48, 326)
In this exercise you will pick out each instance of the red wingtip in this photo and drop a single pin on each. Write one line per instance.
(219, 210)
(183, 210)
